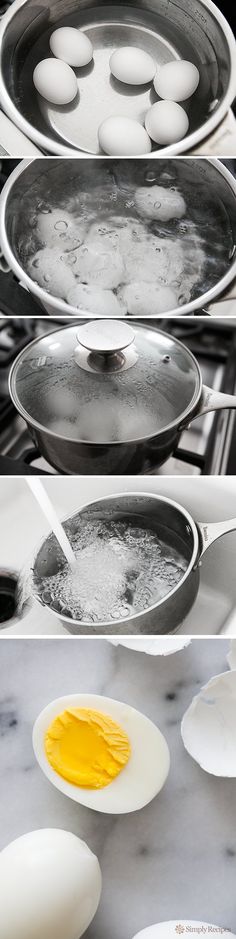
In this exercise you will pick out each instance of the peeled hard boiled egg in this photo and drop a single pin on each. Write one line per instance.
(100, 752)
(159, 203)
(180, 926)
(50, 886)
(132, 66)
(122, 136)
(72, 46)
(176, 81)
(96, 301)
(55, 81)
(166, 122)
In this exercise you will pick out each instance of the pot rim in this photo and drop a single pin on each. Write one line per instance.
(196, 553)
(175, 424)
(65, 309)
(54, 147)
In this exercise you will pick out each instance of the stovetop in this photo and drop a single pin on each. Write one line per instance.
(207, 446)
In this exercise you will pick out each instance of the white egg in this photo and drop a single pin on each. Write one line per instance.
(48, 269)
(104, 234)
(97, 265)
(118, 232)
(141, 778)
(153, 261)
(55, 81)
(121, 136)
(151, 645)
(166, 122)
(176, 81)
(173, 928)
(58, 228)
(158, 202)
(96, 301)
(72, 46)
(144, 299)
(50, 886)
(132, 66)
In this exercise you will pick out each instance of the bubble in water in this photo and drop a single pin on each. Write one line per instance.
(61, 226)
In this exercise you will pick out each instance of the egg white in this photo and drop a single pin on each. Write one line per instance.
(140, 780)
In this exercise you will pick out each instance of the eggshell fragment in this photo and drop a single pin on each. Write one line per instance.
(71, 46)
(50, 885)
(176, 81)
(152, 645)
(55, 81)
(132, 66)
(231, 657)
(173, 928)
(159, 202)
(209, 726)
(166, 122)
(122, 136)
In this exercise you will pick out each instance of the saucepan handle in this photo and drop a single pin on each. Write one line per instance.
(210, 532)
(214, 401)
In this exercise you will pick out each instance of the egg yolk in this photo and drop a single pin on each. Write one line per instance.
(86, 747)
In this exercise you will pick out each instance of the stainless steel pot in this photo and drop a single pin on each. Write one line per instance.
(207, 186)
(176, 528)
(196, 31)
(105, 398)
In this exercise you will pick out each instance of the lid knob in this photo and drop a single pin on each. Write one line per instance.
(105, 337)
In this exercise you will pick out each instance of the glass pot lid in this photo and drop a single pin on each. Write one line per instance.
(105, 382)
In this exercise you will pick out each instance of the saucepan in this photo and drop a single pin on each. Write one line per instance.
(184, 250)
(175, 527)
(196, 31)
(108, 398)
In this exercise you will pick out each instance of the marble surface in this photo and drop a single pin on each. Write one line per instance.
(175, 859)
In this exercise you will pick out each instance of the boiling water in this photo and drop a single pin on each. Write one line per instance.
(97, 249)
(121, 569)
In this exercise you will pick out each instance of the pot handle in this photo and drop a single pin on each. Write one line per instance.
(214, 401)
(210, 532)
